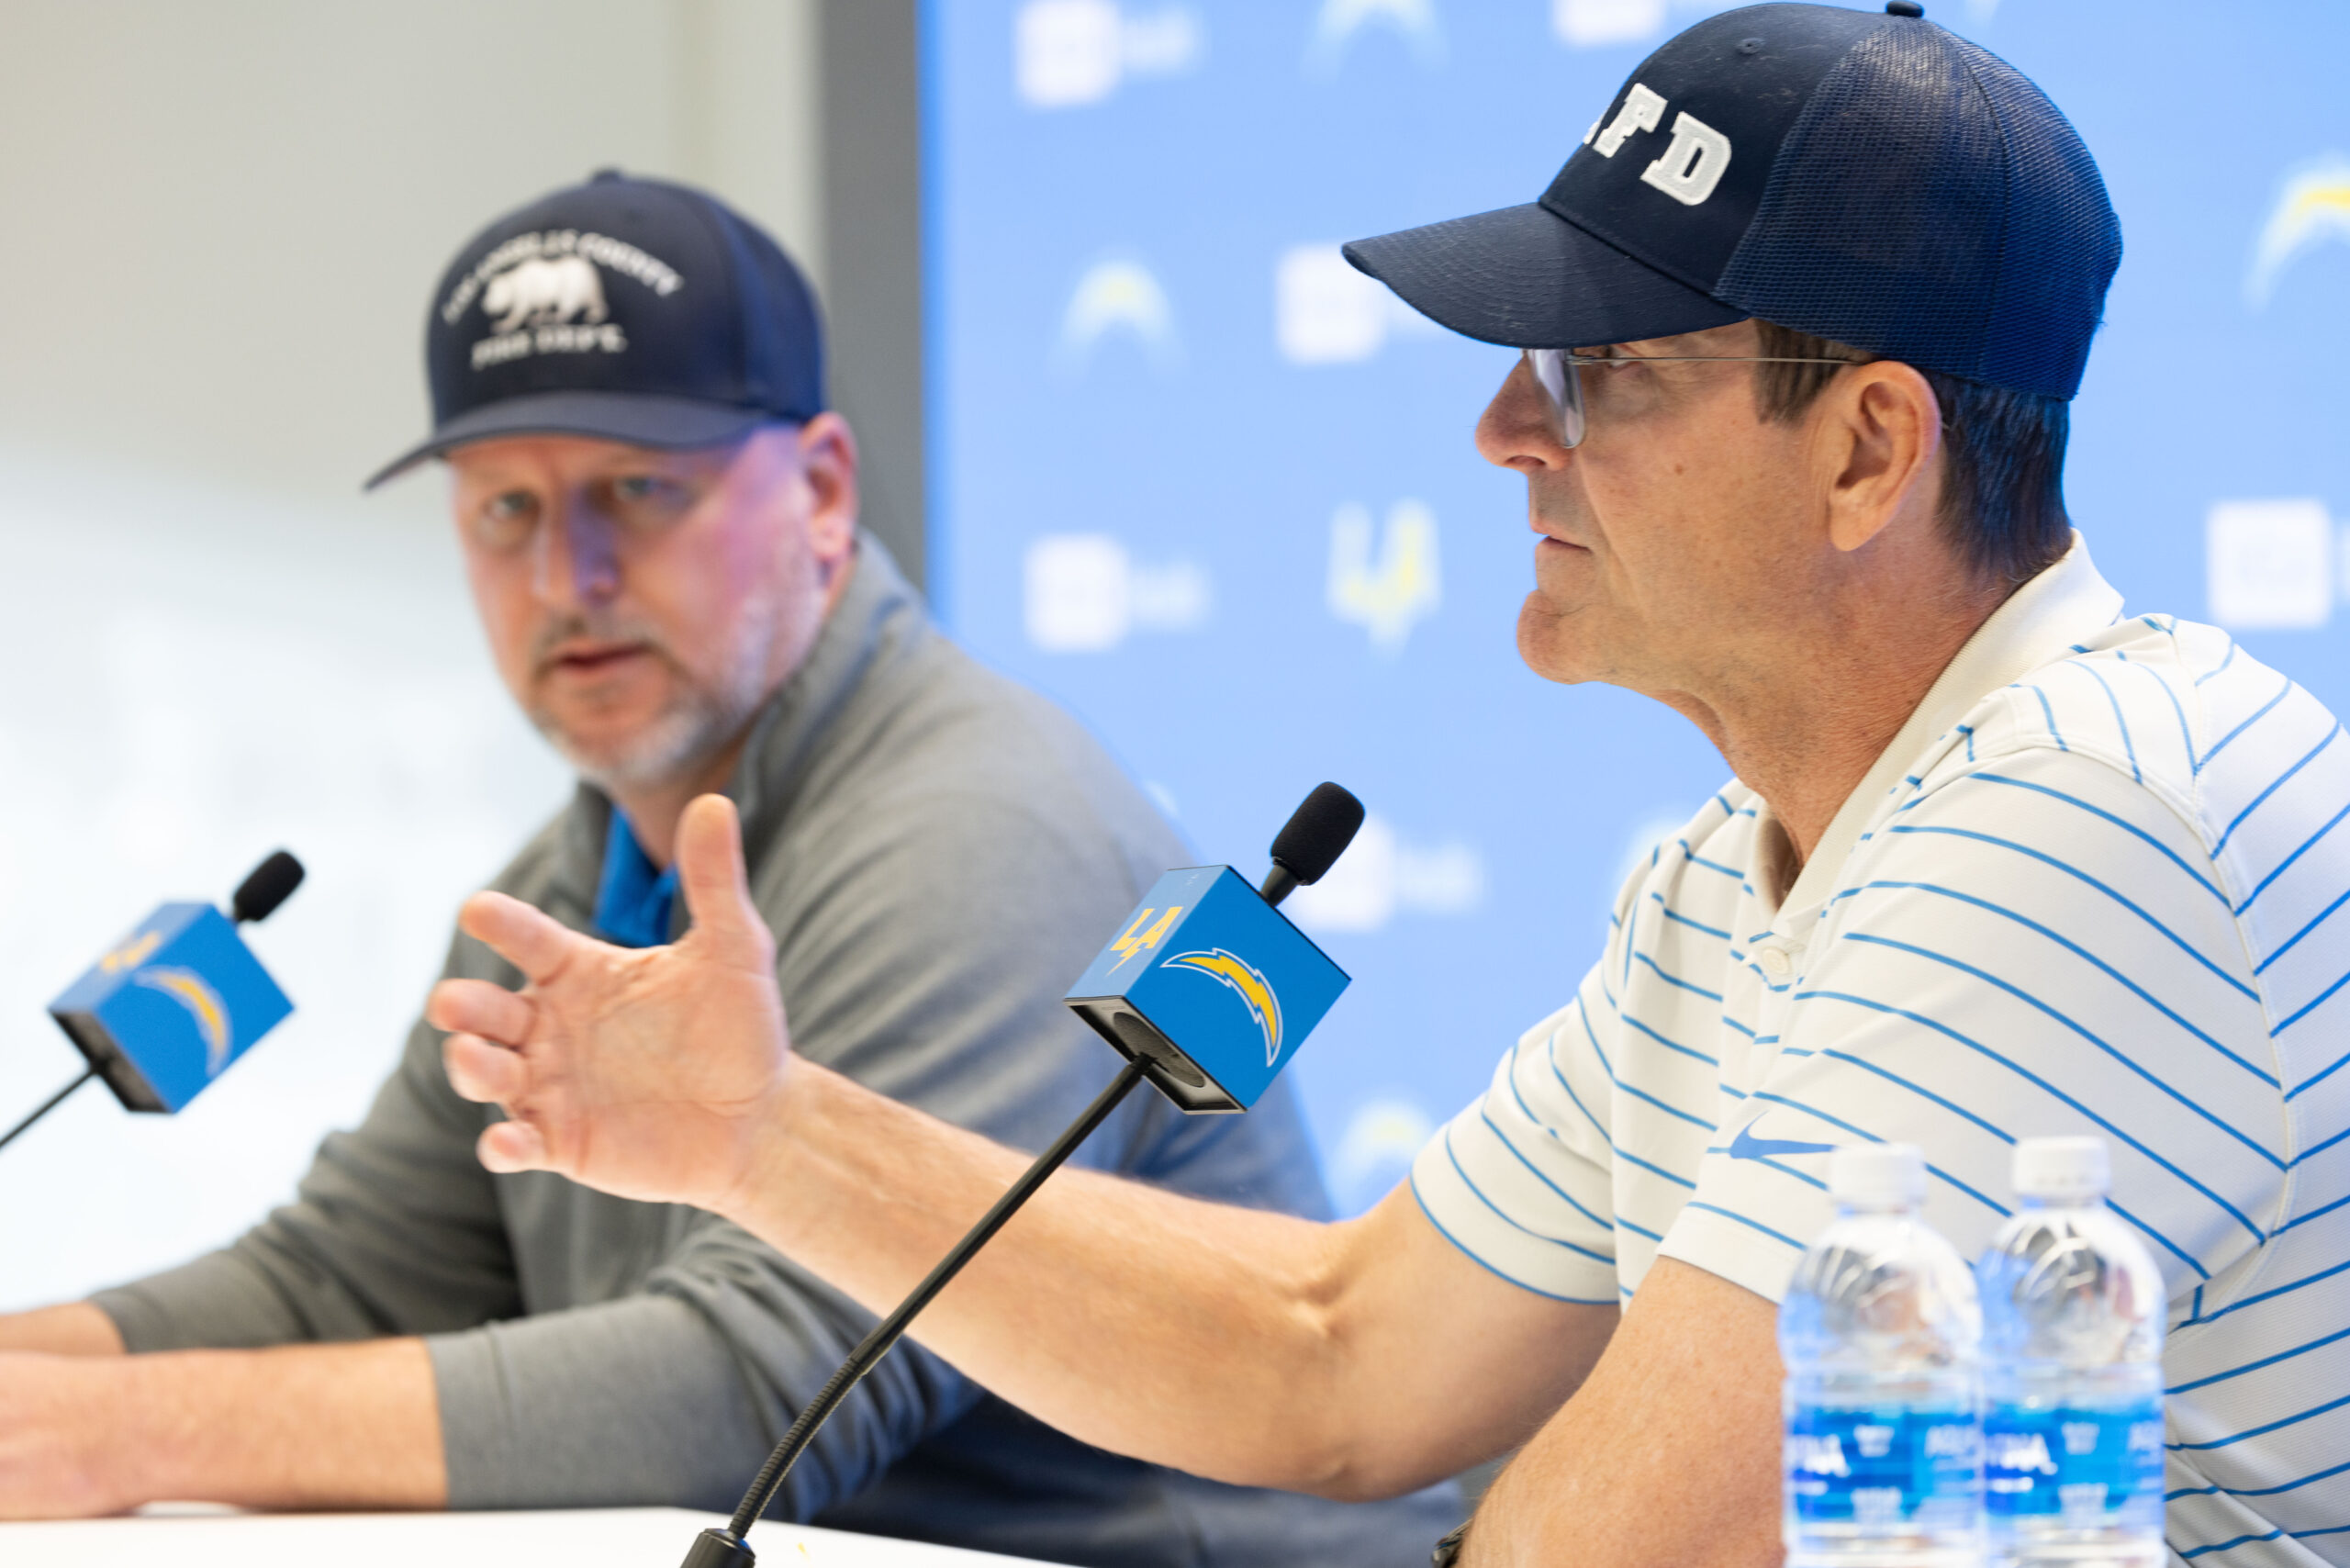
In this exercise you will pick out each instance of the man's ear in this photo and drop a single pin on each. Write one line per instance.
(1879, 436)
(828, 459)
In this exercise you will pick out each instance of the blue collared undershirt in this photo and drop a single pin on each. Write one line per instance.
(633, 901)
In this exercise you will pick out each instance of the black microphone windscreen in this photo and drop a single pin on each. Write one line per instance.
(272, 883)
(1317, 832)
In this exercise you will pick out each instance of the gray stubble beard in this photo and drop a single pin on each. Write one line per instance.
(698, 724)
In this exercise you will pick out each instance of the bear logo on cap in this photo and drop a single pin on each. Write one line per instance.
(537, 293)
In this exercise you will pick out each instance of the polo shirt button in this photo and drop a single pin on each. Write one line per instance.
(1775, 963)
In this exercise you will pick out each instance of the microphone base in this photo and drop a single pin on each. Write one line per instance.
(720, 1548)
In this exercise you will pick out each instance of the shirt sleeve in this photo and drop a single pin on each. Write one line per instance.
(1523, 1180)
(395, 1230)
(2036, 945)
(671, 1393)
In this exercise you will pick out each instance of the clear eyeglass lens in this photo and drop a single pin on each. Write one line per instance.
(1561, 383)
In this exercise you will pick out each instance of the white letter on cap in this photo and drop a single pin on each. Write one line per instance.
(1642, 110)
(1693, 166)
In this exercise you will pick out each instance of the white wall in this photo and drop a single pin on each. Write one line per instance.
(222, 224)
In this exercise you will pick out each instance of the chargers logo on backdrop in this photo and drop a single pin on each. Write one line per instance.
(1600, 23)
(2270, 564)
(1384, 874)
(204, 1005)
(1246, 980)
(1118, 296)
(1376, 1151)
(1594, 24)
(1393, 590)
(1339, 21)
(2312, 207)
(1325, 312)
(1083, 593)
(1068, 53)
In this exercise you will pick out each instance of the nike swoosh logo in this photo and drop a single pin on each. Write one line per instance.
(1746, 1145)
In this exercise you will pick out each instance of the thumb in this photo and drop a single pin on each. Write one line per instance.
(717, 888)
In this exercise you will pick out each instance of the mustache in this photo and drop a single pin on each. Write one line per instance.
(593, 629)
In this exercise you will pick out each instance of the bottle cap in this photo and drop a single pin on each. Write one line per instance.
(1878, 1176)
(2061, 1168)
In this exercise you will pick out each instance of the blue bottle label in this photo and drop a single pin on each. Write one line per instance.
(1881, 1466)
(2086, 1466)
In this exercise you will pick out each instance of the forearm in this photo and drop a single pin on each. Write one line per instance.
(1129, 1318)
(75, 1328)
(304, 1427)
(1668, 1454)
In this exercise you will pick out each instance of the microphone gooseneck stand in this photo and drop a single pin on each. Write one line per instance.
(46, 1106)
(725, 1549)
(1295, 853)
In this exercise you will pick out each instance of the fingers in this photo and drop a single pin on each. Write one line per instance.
(477, 1007)
(494, 1075)
(717, 888)
(532, 942)
(482, 1072)
(508, 1147)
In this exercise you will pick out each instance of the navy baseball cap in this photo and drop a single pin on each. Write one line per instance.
(1870, 178)
(622, 309)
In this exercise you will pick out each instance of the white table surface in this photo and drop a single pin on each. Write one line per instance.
(587, 1538)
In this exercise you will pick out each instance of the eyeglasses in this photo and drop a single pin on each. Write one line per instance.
(1558, 374)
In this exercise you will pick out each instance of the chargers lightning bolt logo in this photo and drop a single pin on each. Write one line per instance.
(203, 1005)
(1255, 991)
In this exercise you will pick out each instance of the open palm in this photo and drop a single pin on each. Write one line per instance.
(644, 1073)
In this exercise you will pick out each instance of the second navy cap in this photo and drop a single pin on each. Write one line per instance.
(621, 309)
(1871, 178)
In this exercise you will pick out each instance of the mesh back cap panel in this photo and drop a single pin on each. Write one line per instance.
(2063, 241)
(1931, 205)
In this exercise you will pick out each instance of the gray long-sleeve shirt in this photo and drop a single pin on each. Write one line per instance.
(938, 853)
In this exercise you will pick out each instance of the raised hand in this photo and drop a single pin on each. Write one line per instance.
(645, 1073)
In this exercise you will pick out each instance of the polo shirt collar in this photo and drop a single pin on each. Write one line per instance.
(635, 904)
(2041, 621)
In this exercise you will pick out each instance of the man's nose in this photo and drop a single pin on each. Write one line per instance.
(1516, 431)
(576, 562)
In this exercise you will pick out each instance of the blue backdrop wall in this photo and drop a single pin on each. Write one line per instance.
(1198, 479)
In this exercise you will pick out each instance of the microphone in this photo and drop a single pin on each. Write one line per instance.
(1210, 1026)
(1310, 842)
(266, 887)
(1211, 926)
(173, 1003)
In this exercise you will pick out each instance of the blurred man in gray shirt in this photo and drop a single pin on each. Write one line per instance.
(659, 523)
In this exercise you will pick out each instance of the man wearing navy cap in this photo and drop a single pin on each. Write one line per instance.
(1801, 317)
(658, 520)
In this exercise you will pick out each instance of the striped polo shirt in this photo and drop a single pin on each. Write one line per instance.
(2095, 885)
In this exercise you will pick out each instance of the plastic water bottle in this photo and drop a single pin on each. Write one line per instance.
(2073, 1310)
(1879, 1333)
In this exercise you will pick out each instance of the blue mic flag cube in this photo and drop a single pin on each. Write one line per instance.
(167, 1011)
(1210, 987)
